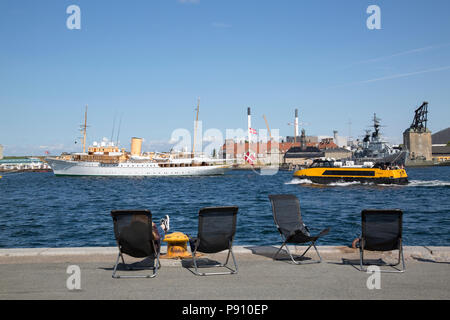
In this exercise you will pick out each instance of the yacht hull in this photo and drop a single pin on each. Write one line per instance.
(128, 169)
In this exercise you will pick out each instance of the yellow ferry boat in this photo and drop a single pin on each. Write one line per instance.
(327, 171)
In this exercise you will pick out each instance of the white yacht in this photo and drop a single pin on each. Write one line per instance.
(111, 161)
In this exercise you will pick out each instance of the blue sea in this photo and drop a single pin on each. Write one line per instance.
(41, 210)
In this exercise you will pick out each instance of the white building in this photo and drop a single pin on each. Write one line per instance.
(23, 164)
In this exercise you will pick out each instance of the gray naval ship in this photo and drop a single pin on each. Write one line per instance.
(377, 150)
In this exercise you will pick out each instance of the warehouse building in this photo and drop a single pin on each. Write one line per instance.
(440, 148)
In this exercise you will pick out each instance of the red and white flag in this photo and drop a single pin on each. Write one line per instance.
(250, 157)
(251, 130)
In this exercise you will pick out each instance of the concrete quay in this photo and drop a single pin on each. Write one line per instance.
(41, 273)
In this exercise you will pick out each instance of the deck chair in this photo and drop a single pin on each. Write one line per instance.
(288, 219)
(381, 231)
(133, 232)
(216, 229)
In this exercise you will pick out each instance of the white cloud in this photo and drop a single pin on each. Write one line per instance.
(52, 147)
(158, 145)
(32, 150)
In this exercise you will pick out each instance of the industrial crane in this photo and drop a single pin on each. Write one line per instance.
(268, 129)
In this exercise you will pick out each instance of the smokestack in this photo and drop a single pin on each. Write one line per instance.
(296, 124)
(249, 124)
(303, 140)
(136, 146)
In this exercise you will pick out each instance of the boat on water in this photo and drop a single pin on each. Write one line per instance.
(112, 161)
(111, 165)
(107, 159)
(325, 171)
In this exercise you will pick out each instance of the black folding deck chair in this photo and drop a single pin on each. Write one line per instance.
(381, 231)
(133, 232)
(216, 229)
(288, 219)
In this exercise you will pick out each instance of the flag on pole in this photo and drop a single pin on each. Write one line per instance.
(250, 157)
(251, 130)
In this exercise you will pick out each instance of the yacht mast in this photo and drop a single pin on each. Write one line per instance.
(84, 130)
(195, 127)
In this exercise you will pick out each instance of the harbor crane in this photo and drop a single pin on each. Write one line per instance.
(268, 129)
(419, 123)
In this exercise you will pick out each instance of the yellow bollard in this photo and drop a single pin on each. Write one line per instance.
(176, 246)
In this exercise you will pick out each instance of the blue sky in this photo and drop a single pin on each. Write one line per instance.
(148, 61)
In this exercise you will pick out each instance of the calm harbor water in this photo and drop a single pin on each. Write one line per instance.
(41, 210)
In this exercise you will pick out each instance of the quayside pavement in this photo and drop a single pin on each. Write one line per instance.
(43, 274)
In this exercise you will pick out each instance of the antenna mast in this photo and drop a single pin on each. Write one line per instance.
(195, 127)
(113, 127)
(118, 131)
(84, 130)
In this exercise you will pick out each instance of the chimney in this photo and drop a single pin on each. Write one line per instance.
(296, 125)
(136, 146)
(335, 136)
(303, 140)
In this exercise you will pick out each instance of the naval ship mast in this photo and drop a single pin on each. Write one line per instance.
(374, 148)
